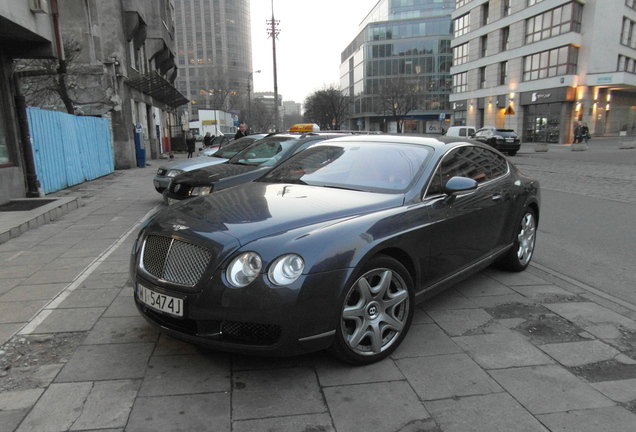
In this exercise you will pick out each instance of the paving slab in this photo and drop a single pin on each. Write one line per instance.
(610, 419)
(580, 353)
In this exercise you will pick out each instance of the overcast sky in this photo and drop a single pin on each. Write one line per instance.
(313, 34)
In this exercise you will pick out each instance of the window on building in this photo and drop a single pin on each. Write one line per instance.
(482, 77)
(459, 118)
(460, 3)
(631, 4)
(460, 54)
(626, 64)
(628, 36)
(483, 46)
(555, 62)
(485, 11)
(533, 2)
(503, 72)
(460, 82)
(505, 38)
(461, 25)
(555, 22)
(506, 4)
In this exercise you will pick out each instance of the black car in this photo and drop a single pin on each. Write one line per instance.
(247, 165)
(504, 140)
(333, 248)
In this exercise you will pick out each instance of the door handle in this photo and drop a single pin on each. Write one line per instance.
(497, 197)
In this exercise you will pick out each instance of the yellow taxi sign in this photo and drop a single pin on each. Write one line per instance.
(305, 127)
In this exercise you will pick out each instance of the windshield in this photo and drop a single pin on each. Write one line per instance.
(234, 147)
(264, 152)
(373, 167)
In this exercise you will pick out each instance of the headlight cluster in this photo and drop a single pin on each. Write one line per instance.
(174, 172)
(201, 190)
(246, 267)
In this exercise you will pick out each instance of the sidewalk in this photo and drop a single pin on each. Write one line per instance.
(530, 351)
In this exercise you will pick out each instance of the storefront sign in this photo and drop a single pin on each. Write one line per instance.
(604, 79)
(538, 96)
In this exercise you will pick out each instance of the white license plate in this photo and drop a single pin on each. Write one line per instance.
(168, 304)
(510, 140)
(156, 183)
(172, 201)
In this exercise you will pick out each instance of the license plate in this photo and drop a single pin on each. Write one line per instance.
(168, 304)
(510, 140)
(173, 201)
(156, 183)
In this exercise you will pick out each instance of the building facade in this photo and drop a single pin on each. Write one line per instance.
(25, 32)
(400, 39)
(541, 66)
(214, 54)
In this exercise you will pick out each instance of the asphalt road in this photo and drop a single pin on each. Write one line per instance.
(586, 231)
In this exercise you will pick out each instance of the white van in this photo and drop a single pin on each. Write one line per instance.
(461, 131)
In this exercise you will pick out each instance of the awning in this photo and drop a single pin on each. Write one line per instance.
(159, 88)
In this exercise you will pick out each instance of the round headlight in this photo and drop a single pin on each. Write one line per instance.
(286, 269)
(201, 190)
(244, 269)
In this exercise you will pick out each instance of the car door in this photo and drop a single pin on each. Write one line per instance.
(464, 229)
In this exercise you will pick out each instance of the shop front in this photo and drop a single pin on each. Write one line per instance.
(548, 115)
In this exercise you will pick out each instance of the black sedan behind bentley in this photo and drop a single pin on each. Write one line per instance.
(245, 166)
(333, 248)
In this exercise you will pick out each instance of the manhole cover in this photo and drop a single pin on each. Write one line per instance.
(24, 205)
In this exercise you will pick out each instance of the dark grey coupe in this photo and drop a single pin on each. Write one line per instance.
(333, 248)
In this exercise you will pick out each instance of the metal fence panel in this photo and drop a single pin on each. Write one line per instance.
(69, 149)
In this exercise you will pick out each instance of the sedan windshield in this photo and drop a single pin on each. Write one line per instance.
(234, 147)
(359, 166)
(264, 152)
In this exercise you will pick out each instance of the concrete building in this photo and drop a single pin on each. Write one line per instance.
(26, 31)
(539, 66)
(400, 40)
(214, 54)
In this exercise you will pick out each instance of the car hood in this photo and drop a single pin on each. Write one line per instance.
(212, 174)
(193, 163)
(255, 210)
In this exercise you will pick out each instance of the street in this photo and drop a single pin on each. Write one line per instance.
(552, 348)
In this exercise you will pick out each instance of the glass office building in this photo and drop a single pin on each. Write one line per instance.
(214, 53)
(400, 39)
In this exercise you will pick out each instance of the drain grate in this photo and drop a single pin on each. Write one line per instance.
(24, 205)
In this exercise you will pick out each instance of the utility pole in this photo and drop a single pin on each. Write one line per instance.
(273, 32)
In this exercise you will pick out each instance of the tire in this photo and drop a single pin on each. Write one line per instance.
(375, 313)
(520, 254)
(512, 153)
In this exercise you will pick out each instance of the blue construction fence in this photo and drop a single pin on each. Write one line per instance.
(69, 149)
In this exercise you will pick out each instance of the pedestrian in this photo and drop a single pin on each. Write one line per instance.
(577, 133)
(207, 140)
(585, 132)
(190, 143)
(241, 132)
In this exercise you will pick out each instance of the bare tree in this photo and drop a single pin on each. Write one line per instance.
(262, 119)
(399, 96)
(64, 83)
(328, 108)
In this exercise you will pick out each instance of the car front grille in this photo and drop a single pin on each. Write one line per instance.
(174, 260)
(180, 189)
(260, 334)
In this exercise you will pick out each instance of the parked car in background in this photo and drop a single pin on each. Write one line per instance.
(168, 171)
(504, 140)
(249, 164)
(461, 131)
(333, 248)
(217, 143)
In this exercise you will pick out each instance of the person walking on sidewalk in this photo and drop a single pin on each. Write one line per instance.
(585, 133)
(577, 132)
(190, 143)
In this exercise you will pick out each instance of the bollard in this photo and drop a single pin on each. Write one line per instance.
(541, 147)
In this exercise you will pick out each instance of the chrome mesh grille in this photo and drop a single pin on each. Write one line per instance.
(174, 260)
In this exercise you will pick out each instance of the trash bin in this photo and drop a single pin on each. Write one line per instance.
(141, 158)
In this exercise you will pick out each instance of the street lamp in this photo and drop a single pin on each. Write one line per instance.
(249, 96)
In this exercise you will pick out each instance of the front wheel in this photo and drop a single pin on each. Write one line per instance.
(376, 313)
(519, 256)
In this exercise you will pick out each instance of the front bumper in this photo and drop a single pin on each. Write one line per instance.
(258, 319)
(161, 183)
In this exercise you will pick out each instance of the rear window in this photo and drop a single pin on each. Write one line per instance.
(506, 133)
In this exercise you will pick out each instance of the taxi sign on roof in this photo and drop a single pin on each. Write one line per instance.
(305, 127)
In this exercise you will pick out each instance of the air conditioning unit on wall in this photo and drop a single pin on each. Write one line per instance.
(39, 6)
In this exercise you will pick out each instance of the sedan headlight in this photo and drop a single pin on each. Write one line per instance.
(244, 269)
(174, 172)
(286, 269)
(201, 190)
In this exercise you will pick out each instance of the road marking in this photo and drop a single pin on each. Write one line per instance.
(30, 327)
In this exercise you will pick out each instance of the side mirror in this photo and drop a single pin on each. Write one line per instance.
(457, 185)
